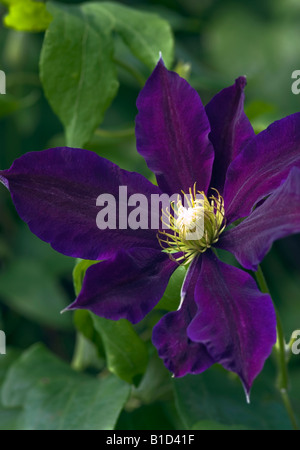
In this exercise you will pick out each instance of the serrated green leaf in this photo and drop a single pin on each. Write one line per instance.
(27, 15)
(77, 70)
(54, 397)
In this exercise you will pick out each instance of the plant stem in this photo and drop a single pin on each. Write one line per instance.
(281, 357)
(77, 361)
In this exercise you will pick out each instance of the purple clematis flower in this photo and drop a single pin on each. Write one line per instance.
(223, 317)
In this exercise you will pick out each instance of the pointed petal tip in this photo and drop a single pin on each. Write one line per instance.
(68, 308)
(160, 62)
(241, 82)
(247, 393)
(4, 181)
(243, 349)
(171, 117)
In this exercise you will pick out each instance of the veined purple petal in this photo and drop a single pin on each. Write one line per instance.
(128, 286)
(262, 166)
(235, 321)
(172, 132)
(276, 218)
(230, 128)
(55, 192)
(179, 353)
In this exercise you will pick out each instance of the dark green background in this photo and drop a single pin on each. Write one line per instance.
(221, 40)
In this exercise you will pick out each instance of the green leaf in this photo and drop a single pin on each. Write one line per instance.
(171, 299)
(217, 396)
(82, 318)
(209, 425)
(8, 416)
(84, 324)
(156, 383)
(29, 289)
(79, 273)
(26, 371)
(86, 355)
(77, 70)
(145, 34)
(6, 361)
(27, 15)
(126, 353)
(147, 417)
(54, 397)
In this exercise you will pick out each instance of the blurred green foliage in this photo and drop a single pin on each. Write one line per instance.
(220, 40)
(27, 15)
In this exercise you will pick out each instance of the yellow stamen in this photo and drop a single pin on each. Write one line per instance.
(193, 227)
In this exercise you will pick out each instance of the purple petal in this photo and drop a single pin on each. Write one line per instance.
(276, 218)
(230, 128)
(235, 321)
(179, 353)
(172, 132)
(55, 192)
(262, 166)
(128, 286)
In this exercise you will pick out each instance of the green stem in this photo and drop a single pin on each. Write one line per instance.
(280, 348)
(78, 357)
(139, 78)
(281, 357)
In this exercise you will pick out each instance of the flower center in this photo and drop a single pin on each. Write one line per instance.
(192, 226)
